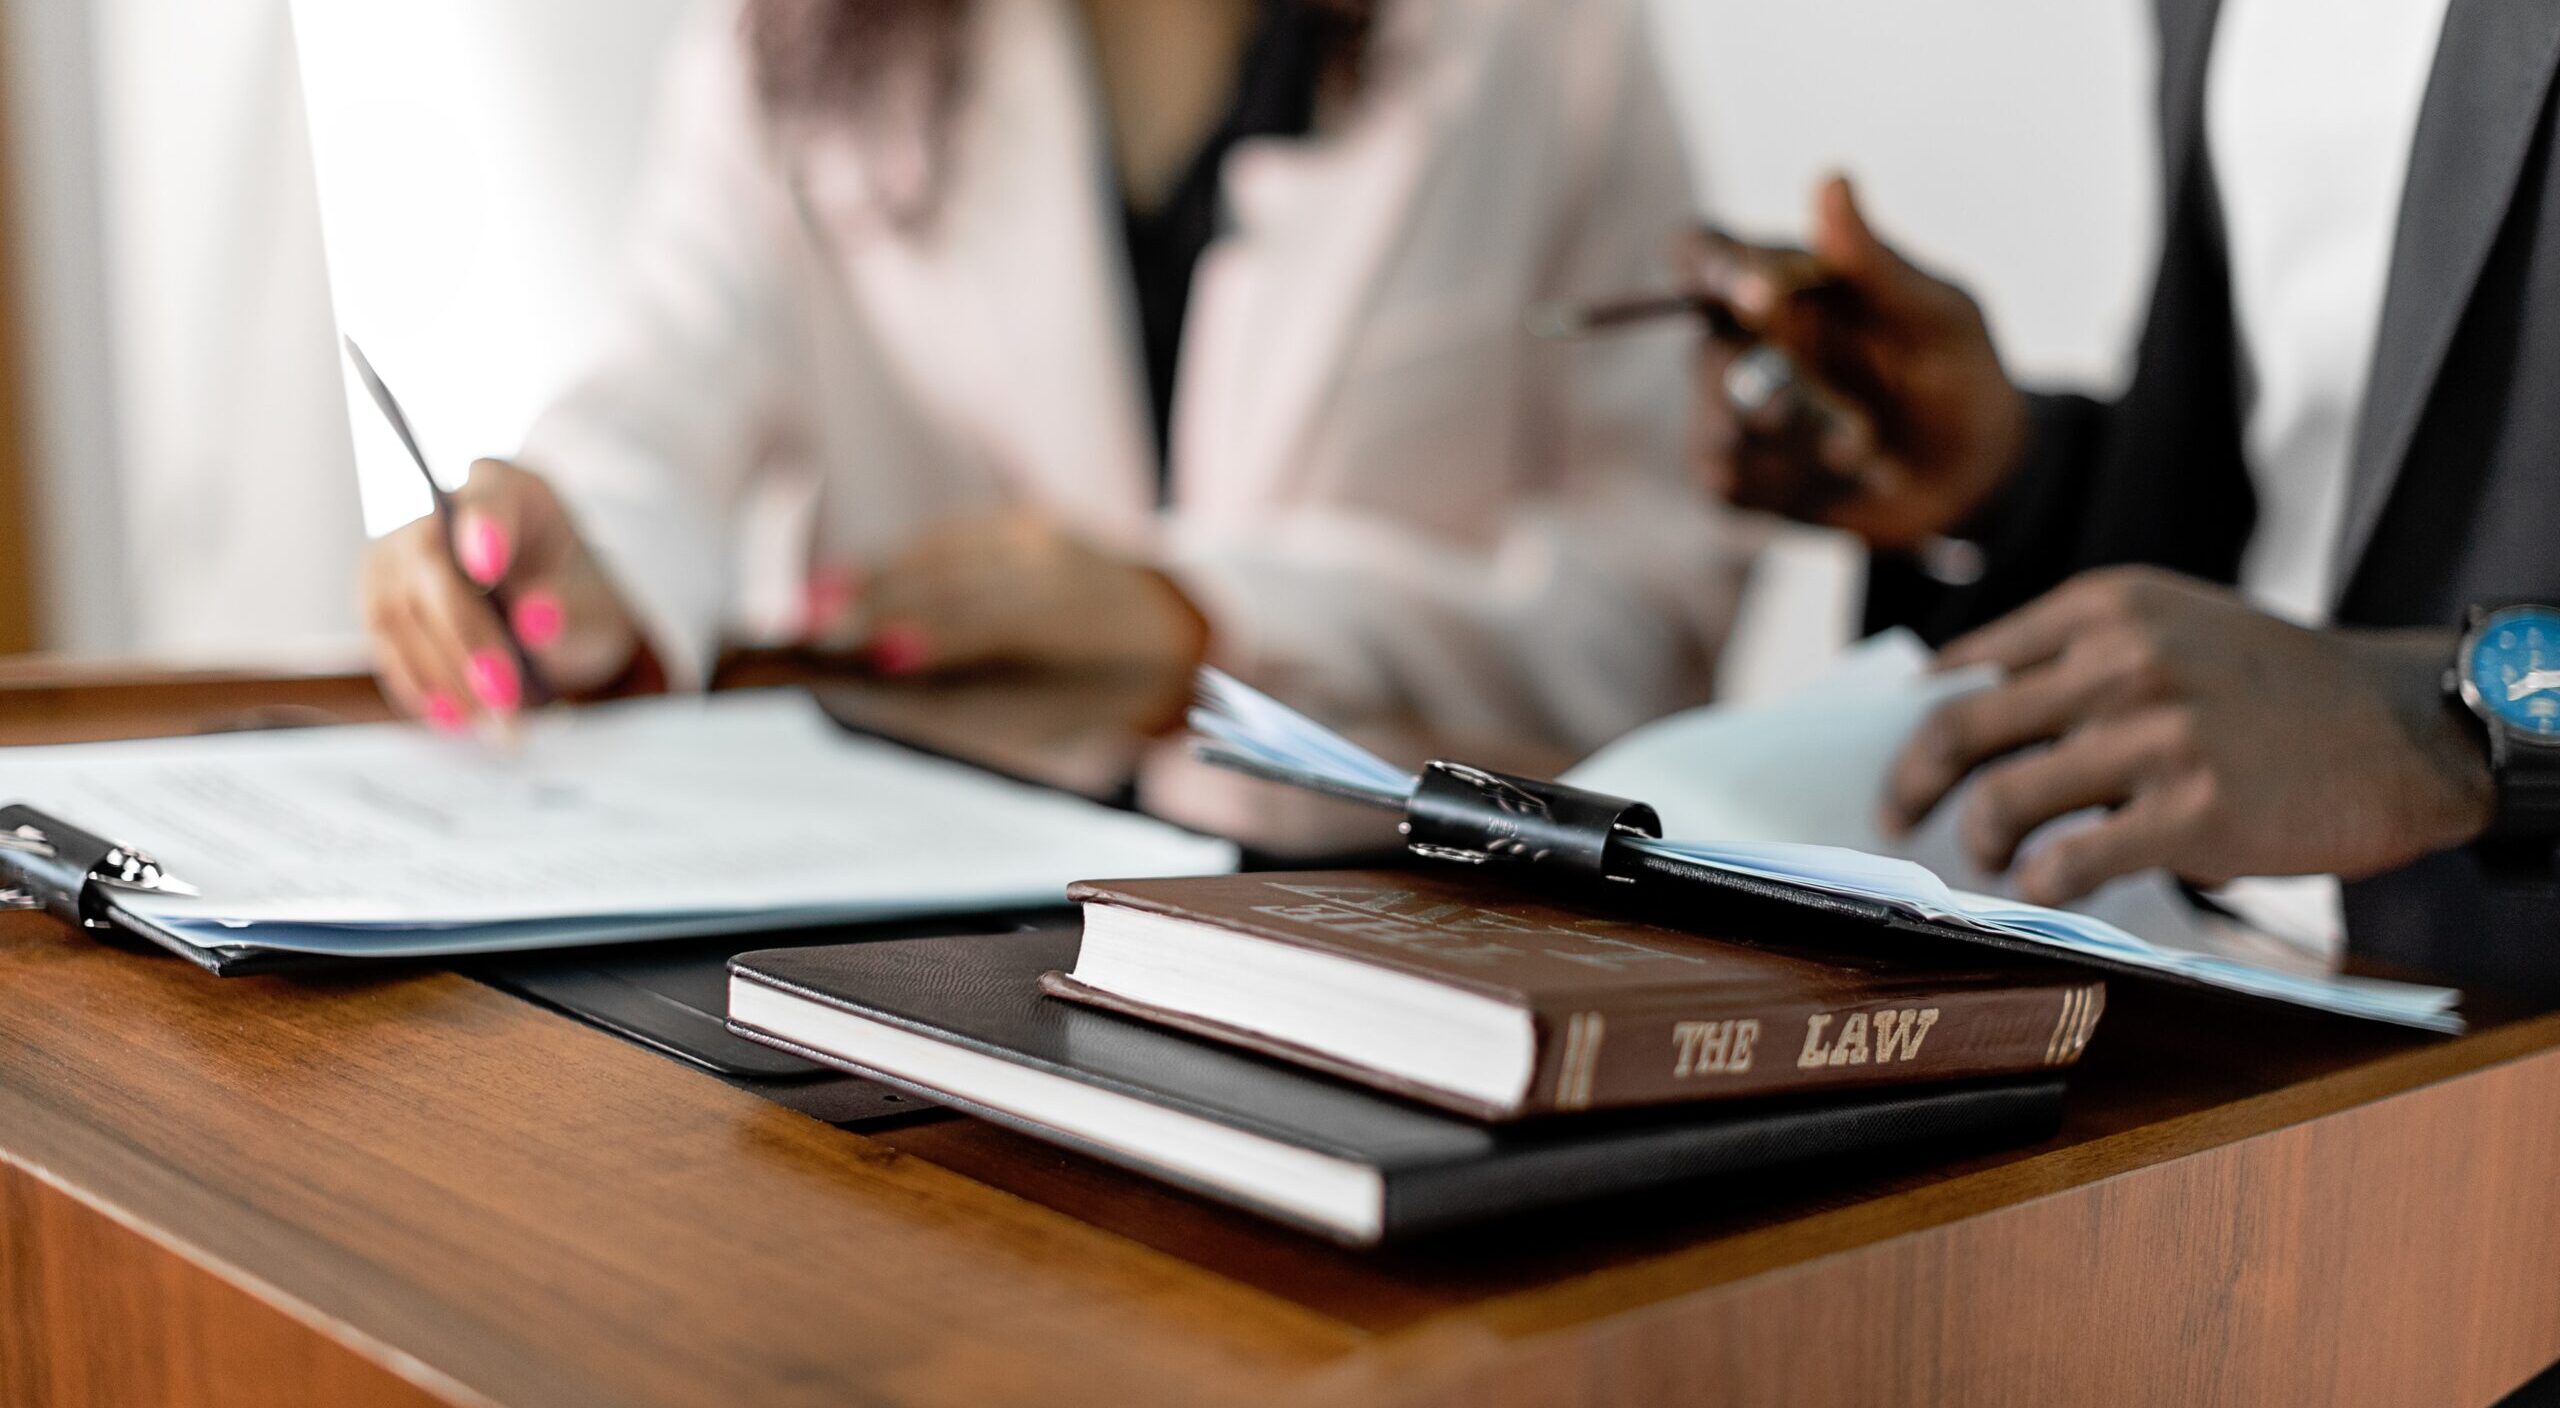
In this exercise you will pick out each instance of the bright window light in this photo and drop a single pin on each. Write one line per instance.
(475, 161)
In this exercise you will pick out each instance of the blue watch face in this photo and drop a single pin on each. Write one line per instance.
(2514, 670)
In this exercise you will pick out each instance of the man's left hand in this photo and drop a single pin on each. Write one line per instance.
(2218, 740)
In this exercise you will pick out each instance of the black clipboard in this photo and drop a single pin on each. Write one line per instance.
(81, 878)
(648, 997)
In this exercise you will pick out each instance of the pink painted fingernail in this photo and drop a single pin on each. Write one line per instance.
(824, 601)
(493, 678)
(484, 550)
(539, 619)
(898, 650)
(444, 713)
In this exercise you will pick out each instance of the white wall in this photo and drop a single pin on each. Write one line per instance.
(2006, 143)
(476, 158)
(239, 515)
(193, 429)
(54, 255)
(191, 490)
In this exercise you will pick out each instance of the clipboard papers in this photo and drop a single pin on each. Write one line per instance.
(665, 818)
(1563, 834)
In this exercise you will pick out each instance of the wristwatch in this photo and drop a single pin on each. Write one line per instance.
(2507, 673)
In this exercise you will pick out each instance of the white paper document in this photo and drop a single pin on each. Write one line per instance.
(1808, 766)
(646, 819)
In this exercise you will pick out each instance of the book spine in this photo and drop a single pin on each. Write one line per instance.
(1597, 1059)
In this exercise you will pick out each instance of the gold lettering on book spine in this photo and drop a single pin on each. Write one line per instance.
(1899, 1033)
(1581, 1060)
(2092, 1002)
(1891, 1036)
(2063, 1024)
(1714, 1048)
(2077, 1021)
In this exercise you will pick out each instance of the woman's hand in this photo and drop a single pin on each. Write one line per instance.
(1015, 588)
(438, 647)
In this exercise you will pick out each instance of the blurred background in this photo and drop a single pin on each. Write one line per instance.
(198, 194)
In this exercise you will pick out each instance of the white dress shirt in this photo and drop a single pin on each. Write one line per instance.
(2310, 107)
(2310, 111)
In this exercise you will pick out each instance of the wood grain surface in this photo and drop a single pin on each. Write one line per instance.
(91, 1312)
(415, 1187)
(17, 520)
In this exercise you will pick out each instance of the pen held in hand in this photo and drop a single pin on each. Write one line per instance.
(1761, 384)
(536, 688)
(1794, 277)
(1565, 318)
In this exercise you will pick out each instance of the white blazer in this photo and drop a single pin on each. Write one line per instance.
(1384, 495)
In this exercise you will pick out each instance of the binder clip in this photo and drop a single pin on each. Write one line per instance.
(71, 874)
(1476, 817)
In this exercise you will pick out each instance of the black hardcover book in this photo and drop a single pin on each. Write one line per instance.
(962, 1022)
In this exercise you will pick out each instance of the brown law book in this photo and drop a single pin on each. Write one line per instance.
(1499, 1004)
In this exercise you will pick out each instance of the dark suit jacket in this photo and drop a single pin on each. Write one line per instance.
(2454, 494)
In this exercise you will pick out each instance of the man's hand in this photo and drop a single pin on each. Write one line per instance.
(1913, 423)
(1014, 588)
(2220, 741)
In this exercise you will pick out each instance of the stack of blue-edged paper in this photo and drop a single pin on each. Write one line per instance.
(1787, 791)
(653, 819)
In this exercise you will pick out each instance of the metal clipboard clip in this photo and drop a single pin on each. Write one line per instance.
(1479, 817)
(72, 874)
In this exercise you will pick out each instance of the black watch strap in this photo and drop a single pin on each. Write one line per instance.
(2528, 778)
(2522, 846)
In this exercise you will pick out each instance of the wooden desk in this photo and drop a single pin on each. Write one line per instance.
(416, 1189)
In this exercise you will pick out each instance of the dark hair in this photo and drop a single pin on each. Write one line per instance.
(892, 68)
(834, 57)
